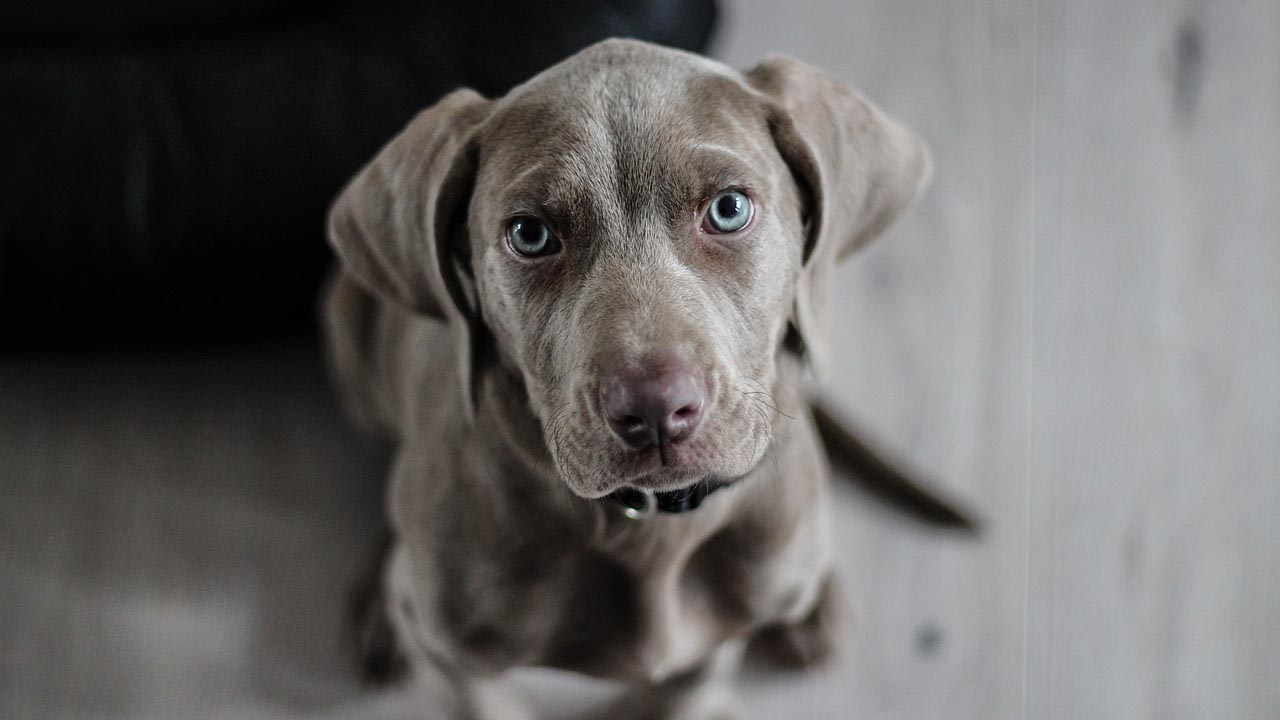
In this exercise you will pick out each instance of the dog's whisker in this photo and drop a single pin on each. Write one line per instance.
(765, 436)
(763, 404)
(754, 394)
(771, 407)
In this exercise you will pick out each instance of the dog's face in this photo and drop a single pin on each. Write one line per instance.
(637, 230)
(635, 240)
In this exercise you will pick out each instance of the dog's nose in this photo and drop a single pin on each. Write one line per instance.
(647, 409)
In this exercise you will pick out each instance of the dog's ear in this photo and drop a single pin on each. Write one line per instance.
(857, 170)
(399, 227)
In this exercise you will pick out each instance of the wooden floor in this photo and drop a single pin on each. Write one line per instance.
(1077, 329)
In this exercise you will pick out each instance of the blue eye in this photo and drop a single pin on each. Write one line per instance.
(530, 238)
(729, 212)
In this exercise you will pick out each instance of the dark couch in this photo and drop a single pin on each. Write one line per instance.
(166, 167)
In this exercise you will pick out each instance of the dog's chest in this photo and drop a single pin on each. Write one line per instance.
(650, 605)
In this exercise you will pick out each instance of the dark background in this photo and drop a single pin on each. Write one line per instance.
(167, 166)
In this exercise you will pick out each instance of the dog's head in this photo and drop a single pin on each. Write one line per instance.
(637, 234)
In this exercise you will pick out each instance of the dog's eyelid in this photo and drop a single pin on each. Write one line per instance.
(546, 218)
(549, 209)
(713, 192)
(710, 184)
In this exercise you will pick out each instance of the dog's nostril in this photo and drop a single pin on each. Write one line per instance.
(655, 407)
(686, 412)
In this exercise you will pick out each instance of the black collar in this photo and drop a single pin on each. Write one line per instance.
(639, 503)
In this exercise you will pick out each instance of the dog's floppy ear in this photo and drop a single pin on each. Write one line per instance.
(858, 170)
(399, 227)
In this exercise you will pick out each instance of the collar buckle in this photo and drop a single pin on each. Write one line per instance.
(638, 504)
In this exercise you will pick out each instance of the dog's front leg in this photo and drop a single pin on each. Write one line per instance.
(810, 641)
(454, 695)
(704, 693)
(451, 692)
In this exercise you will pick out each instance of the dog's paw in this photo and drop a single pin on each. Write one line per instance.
(723, 708)
(706, 693)
(716, 706)
(811, 642)
(380, 660)
(378, 657)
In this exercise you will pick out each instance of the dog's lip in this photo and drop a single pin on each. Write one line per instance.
(645, 471)
(673, 478)
(664, 478)
(665, 482)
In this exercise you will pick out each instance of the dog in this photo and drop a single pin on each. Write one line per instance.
(585, 312)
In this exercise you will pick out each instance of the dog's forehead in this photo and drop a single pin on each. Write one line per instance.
(625, 118)
(619, 75)
(616, 87)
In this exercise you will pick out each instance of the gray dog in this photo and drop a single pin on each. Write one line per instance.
(582, 310)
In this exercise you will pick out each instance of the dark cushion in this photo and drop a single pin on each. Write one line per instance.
(166, 169)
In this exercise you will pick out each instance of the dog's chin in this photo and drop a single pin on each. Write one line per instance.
(673, 468)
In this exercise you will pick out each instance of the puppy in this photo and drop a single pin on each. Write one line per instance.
(584, 311)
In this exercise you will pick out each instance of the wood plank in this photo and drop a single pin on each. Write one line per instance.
(1156, 381)
(933, 343)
